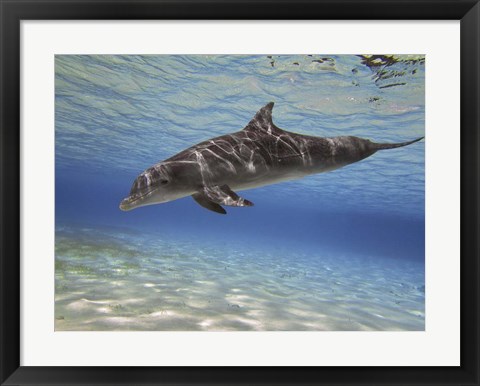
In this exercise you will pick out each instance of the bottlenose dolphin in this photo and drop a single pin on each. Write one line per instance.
(260, 154)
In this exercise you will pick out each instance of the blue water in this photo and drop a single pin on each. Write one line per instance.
(336, 251)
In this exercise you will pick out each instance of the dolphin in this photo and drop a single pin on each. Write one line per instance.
(260, 154)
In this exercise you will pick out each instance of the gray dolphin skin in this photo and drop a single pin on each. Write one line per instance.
(260, 154)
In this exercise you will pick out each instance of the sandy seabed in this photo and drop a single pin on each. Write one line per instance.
(115, 280)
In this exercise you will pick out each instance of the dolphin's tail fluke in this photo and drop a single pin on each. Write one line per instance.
(382, 146)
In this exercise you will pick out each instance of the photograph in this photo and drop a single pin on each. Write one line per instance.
(240, 192)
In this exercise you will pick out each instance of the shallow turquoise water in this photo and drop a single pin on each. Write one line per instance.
(335, 251)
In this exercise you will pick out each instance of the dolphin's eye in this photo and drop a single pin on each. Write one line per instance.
(164, 182)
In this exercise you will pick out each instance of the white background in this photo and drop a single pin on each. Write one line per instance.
(438, 345)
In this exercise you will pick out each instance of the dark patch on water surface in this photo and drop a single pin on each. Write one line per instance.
(392, 85)
(387, 67)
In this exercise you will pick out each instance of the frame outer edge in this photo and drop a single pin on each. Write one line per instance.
(470, 182)
(242, 9)
(10, 192)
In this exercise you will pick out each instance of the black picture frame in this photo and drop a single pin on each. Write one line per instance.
(13, 11)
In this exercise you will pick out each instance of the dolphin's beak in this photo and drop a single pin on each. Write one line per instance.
(125, 205)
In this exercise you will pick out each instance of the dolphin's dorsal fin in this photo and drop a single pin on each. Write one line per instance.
(262, 121)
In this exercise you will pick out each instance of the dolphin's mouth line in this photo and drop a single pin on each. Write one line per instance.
(132, 200)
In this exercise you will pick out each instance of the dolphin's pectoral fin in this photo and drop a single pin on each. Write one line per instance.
(202, 200)
(223, 195)
(212, 197)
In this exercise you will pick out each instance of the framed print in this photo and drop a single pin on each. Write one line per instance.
(213, 192)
